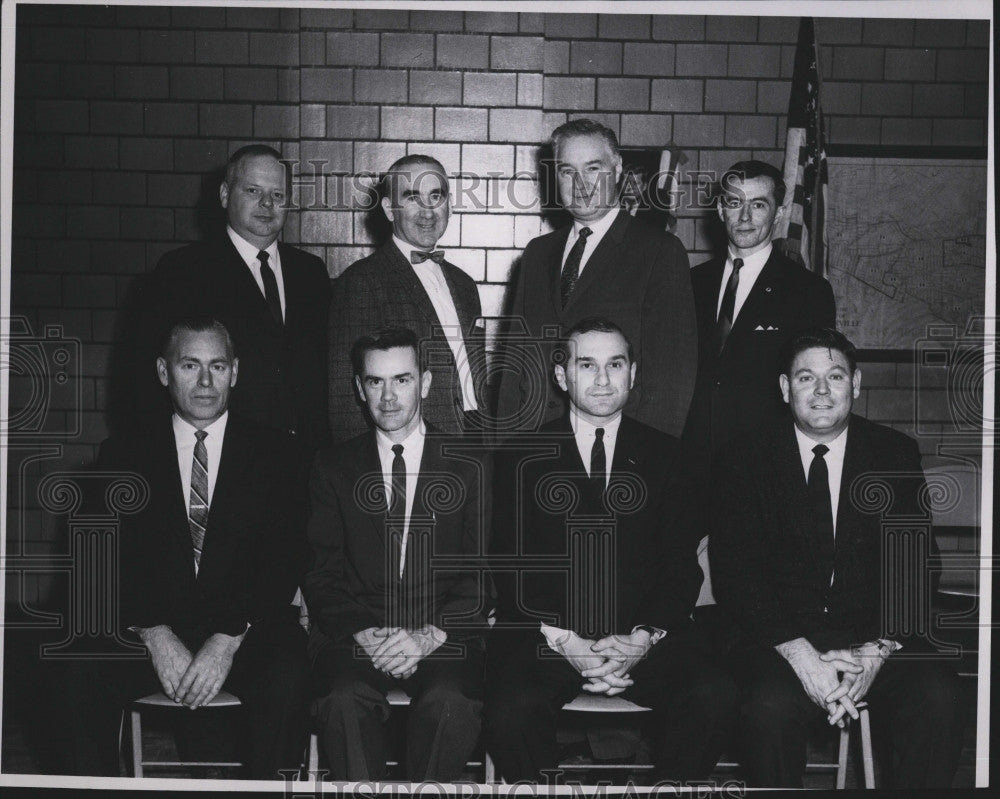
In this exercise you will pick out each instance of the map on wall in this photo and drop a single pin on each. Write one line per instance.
(907, 246)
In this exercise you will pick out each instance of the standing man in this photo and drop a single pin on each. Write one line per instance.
(607, 264)
(819, 553)
(594, 560)
(394, 511)
(208, 567)
(749, 304)
(272, 297)
(408, 283)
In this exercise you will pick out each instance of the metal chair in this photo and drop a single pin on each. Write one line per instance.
(161, 700)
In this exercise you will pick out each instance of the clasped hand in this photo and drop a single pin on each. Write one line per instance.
(606, 663)
(190, 680)
(397, 651)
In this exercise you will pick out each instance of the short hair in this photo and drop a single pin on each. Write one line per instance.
(195, 324)
(385, 338)
(583, 127)
(592, 324)
(746, 170)
(249, 151)
(416, 159)
(826, 338)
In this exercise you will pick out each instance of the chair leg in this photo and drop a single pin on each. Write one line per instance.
(136, 743)
(845, 742)
(489, 770)
(313, 767)
(866, 749)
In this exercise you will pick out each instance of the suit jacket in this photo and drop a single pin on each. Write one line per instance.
(737, 389)
(282, 376)
(638, 278)
(642, 569)
(354, 582)
(769, 567)
(383, 290)
(253, 556)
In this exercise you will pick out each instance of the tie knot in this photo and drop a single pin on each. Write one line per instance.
(419, 256)
(200, 434)
(584, 232)
(397, 449)
(263, 257)
(737, 263)
(820, 450)
(599, 433)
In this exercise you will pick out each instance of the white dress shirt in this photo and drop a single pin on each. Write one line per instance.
(432, 278)
(597, 231)
(184, 440)
(248, 252)
(834, 464)
(413, 450)
(749, 272)
(584, 433)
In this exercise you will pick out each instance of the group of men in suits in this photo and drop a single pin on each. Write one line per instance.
(578, 519)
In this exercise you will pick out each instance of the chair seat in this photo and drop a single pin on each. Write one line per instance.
(222, 699)
(588, 703)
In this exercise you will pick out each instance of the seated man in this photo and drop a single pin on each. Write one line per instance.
(209, 567)
(594, 559)
(393, 512)
(817, 583)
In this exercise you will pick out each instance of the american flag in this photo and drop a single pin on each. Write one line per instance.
(803, 224)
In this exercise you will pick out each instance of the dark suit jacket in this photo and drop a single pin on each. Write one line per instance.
(282, 376)
(254, 550)
(645, 572)
(737, 389)
(768, 568)
(383, 290)
(638, 278)
(353, 583)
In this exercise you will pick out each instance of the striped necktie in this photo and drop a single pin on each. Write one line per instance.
(198, 503)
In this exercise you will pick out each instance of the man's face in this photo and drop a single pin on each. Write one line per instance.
(418, 205)
(256, 201)
(198, 371)
(598, 376)
(588, 173)
(820, 391)
(749, 211)
(392, 387)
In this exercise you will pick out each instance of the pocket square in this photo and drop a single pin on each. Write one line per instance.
(759, 327)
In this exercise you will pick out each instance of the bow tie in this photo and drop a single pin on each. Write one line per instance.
(419, 256)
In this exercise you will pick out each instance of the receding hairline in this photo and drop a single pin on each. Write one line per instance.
(369, 350)
(171, 348)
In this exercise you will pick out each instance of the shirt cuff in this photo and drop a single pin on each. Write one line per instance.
(655, 633)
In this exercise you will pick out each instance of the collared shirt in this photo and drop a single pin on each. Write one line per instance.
(248, 252)
(597, 231)
(834, 464)
(413, 450)
(432, 278)
(184, 441)
(749, 272)
(584, 433)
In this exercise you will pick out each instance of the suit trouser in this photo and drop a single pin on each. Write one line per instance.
(914, 710)
(694, 704)
(269, 674)
(444, 718)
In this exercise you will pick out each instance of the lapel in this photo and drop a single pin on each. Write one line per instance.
(603, 256)
(295, 291)
(166, 473)
(627, 449)
(760, 296)
(849, 520)
(557, 244)
(407, 283)
(367, 466)
(239, 283)
(466, 315)
(712, 285)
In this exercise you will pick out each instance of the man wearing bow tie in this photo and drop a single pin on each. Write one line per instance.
(408, 283)
(272, 297)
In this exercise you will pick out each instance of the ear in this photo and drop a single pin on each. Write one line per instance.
(224, 194)
(618, 170)
(560, 375)
(856, 381)
(236, 371)
(425, 383)
(161, 371)
(718, 207)
(361, 391)
(784, 385)
(386, 204)
(778, 215)
(631, 379)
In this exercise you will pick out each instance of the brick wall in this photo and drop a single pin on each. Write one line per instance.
(122, 113)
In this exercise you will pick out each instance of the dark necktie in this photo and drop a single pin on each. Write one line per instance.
(571, 269)
(819, 497)
(728, 307)
(397, 509)
(598, 462)
(419, 256)
(270, 287)
(198, 501)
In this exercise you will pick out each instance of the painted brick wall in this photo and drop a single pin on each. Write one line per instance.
(122, 113)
